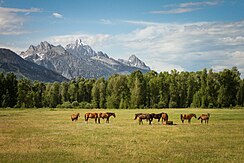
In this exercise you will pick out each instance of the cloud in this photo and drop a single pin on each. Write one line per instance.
(197, 4)
(185, 7)
(105, 21)
(11, 21)
(175, 11)
(186, 46)
(57, 15)
(96, 41)
(142, 23)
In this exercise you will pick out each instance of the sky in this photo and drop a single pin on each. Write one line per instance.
(186, 35)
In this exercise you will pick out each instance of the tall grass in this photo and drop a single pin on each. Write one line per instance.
(41, 135)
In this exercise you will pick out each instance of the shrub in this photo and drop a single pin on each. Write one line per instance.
(75, 104)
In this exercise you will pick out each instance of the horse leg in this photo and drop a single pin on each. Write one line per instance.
(107, 121)
(189, 120)
(201, 120)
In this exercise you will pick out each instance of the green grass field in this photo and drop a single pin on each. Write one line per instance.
(44, 135)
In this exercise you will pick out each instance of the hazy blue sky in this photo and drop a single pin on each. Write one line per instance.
(166, 34)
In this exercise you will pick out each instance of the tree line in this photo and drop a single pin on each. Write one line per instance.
(201, 89)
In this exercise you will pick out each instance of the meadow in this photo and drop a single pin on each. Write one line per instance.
(49, 135)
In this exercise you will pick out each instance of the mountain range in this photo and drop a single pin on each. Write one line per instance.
(80, 60)
(12, 62)
(48, 63)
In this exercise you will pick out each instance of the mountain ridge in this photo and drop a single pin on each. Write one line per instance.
(12, 62)
(80, 60)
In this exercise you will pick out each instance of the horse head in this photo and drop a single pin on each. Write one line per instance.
(113, 114)
(136, 115)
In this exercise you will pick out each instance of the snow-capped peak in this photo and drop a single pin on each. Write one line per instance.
(78, 42)
(135, 62)
(80, 49)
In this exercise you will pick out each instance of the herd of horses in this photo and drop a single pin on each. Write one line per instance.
(96, 116)
(142, 116)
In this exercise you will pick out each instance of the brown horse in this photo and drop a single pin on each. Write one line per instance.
(74, 117)
(187, 116)
(165, 117)
(141, 116)
(91, 115)
(105, 115)
(157, 116)
(204, 117)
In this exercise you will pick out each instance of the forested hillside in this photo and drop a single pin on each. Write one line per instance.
(202, 89)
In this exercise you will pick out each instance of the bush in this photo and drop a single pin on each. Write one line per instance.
(173, 104)
(162, 104)
(86, 105)
(210, 105)
(75, 104)
(65, 105)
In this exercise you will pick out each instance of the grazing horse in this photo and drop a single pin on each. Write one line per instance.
(204, 117)
(141, 116)
(165, 117)
(187, 116)
(105, 115)
(91, 115)
(74, 117)
(157, 116)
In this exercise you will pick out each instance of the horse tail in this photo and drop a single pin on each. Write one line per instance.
(199, 118)
(85, 117)
(181, 117)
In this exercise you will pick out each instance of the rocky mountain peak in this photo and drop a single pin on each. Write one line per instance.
(135, 62)
(79, 49)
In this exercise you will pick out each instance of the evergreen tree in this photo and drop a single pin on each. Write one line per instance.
(137, 90)
(2, 88)
(10, 99)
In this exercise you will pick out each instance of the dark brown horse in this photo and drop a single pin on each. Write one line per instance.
(105, 115)
(187, 116)
(157, 116)
(141, 116)
(74, 117)
(204, 117)
(165, 117)
(91, 115)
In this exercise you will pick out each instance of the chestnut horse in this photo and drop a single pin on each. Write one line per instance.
(187, 116)
(74, 117)
(91, 115)
(105, 115)
(141, 116)
(165, 117)
(204, 117)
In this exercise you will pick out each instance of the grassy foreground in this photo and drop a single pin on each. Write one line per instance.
(42, 135)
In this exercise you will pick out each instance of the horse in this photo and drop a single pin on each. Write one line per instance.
(141, 116)
(74, 117)
(157, 116)
(204, 117)
(91, 115)
(105, 115)
(165, 117)
(187, 116)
